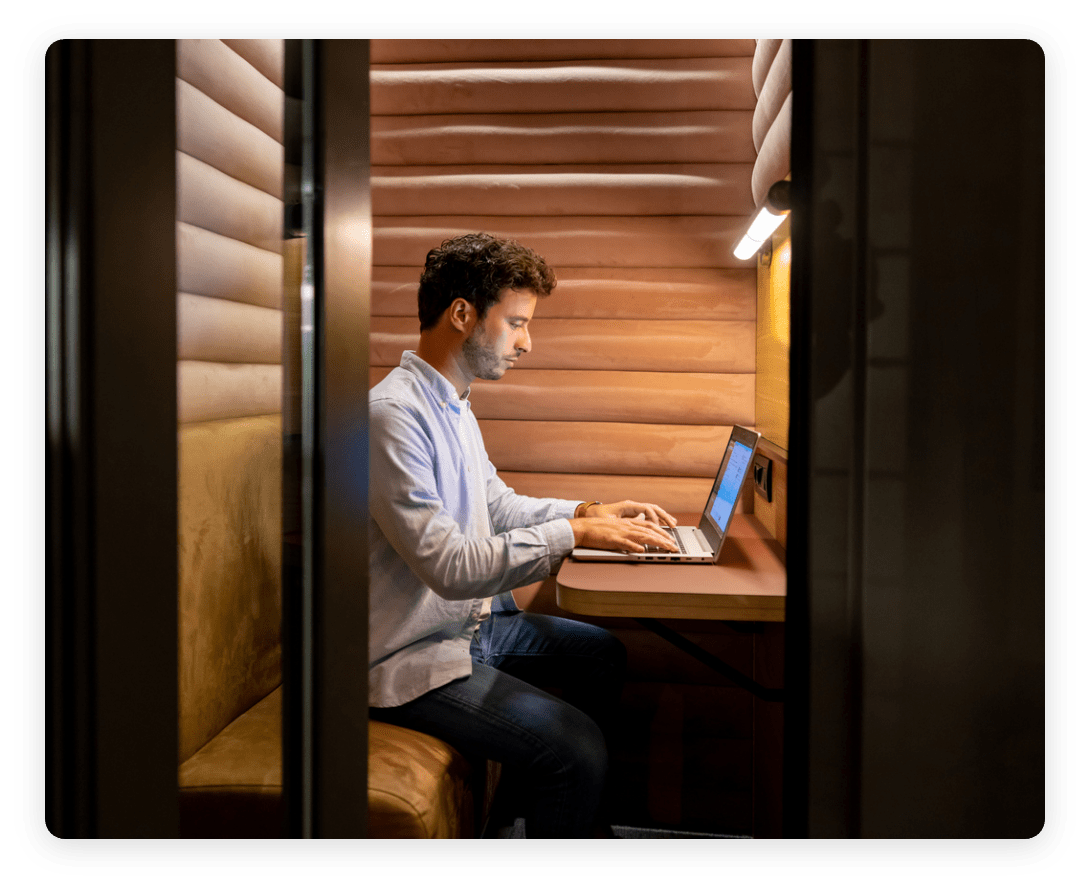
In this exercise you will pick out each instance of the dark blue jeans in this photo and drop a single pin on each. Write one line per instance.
(552, 747)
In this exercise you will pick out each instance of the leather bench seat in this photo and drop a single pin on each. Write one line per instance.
(418, 786)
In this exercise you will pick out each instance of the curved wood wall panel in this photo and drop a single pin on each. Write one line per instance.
(772, 115)
(561, 190)
(604, 293)
(644, 449)
(660, 241)
(692, 84)
(684, 137)
(628, 165)
(409, 51)
(672, 493)
(722, 347)
(638, 397)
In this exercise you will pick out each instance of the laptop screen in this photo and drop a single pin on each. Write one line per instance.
(728, 484)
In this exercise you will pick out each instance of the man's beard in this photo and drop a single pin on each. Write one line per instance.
(482, 360)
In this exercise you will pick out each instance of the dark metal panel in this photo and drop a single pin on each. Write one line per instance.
(342, 324)
(326, 605)
(112, 619)
(916, 691)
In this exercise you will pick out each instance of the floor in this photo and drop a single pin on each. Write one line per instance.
(518, 830)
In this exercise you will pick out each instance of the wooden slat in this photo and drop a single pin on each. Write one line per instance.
(388, 52)
(211, 133)
(614, 396)
(634, 292)
(549, 87)
(214, 266)
(212, 200)
(711, 347)
(639, 449)
(215, 330)
(228, 79)
(214, 390)
(681, 241)
(563, 190)
(686, 137)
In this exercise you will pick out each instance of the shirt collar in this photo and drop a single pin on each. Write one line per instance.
(436, 382)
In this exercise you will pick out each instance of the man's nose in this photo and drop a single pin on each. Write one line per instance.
(522, 343)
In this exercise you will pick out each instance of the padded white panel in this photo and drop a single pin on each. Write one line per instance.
(776, 89)
(211, 133)
(212, 200)
(215, 330)
(763, 54)
(267, 56)
(774, 161)
(216, 390)
(228, 79)
(214, 266)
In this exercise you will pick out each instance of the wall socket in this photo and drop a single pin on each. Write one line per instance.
(762, 476)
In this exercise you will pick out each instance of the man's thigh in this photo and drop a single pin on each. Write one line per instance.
(552, 652)
(494, 715)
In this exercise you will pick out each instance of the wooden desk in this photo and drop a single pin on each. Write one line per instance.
(749, 585)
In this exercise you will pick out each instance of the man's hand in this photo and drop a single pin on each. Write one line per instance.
(628, 526)
(632, 509)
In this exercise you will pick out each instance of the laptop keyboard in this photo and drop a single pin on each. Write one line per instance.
(679, 539)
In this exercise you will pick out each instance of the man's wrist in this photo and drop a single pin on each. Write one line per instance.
(581, 510)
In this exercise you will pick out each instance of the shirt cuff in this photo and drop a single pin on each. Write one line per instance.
(570, 507)
(561, 539)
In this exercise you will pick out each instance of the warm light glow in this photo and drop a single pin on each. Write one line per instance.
(760, 230)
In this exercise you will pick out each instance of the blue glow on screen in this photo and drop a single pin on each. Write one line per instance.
(731, 484)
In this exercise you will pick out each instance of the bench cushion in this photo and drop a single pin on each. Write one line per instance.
(232, 787)
(418, 786)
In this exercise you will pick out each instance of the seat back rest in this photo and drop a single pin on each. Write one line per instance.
(229, 572)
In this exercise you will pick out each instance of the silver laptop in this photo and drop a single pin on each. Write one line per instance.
(701, 543)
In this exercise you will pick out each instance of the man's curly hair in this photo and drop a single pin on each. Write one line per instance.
(478, 268)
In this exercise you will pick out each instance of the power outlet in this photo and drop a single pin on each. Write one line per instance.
(762, 476)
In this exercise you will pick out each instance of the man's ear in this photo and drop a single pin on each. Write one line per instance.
(462, 315)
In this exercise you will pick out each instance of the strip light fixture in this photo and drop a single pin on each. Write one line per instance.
(766, 220)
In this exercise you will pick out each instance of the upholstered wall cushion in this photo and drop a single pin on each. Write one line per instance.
(229, 520)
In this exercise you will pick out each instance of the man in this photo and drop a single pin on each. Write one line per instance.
(451, 653)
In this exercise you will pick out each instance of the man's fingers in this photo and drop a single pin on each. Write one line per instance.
(650, 533)
(656, 514)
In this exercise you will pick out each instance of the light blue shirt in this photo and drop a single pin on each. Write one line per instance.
(446, 534)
